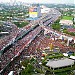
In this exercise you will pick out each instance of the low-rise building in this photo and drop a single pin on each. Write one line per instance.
(44, 9)
(66, 22)
(71, 30)
(60, 65)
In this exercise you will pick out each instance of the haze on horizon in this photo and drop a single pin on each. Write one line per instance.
(41, 1)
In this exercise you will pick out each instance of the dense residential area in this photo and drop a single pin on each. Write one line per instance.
(37, 38)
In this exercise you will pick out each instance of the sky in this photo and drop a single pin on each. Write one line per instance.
(43, 1)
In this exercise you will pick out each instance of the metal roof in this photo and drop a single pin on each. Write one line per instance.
(60, 63)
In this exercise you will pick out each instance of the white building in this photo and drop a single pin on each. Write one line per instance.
(44, 9)
(66, 22)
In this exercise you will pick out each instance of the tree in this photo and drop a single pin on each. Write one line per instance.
(28, 70)
(56, 26)
(25, 63)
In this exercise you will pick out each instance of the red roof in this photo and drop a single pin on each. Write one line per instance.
(71, 30)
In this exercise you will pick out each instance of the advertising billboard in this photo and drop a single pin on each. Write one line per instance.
(33, 12)
(32, 9)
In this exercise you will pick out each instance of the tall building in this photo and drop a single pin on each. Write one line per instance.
(35, 11)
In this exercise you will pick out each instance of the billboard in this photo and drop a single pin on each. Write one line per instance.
(33, 15)
(33, 12)
(32, 9)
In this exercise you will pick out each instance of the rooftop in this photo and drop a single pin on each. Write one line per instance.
(66, 22)
(71, 30)
(60, 63)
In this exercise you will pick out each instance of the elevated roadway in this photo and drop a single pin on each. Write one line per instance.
(26, 38)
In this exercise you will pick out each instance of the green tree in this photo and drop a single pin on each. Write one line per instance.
(56, 26)
(28, 70)
(25, 63)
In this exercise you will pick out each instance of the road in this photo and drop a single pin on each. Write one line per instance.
(19, 46)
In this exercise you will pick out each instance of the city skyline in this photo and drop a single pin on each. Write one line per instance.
(41, 1)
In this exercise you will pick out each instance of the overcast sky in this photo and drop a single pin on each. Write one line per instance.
(42, 1)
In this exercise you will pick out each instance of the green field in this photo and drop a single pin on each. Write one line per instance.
(67, 17)
(21, 24)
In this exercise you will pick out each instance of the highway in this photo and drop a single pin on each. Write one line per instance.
(19, 45)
